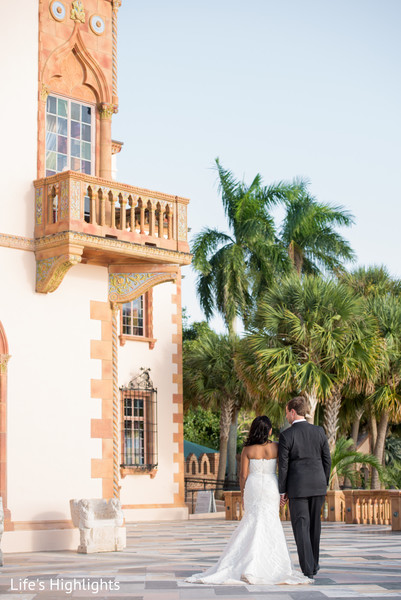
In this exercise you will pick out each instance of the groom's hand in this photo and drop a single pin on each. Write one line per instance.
(283, 499)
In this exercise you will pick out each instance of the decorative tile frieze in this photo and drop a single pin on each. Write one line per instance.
(50, 272)
(39, 205)
(124, 287)
(17, 241)
(122, 247)
(63, 199)
(182, 223)
(75, 199)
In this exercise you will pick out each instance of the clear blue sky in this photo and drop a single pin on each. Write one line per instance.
(286, 88)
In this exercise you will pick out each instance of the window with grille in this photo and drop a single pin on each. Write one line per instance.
(69, 136)
(139, 423)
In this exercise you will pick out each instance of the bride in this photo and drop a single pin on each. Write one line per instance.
(257, 552)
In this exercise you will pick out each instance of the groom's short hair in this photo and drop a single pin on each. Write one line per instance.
(298, 404)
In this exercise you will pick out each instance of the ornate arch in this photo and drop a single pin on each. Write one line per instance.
(72, 70)
(3, 341)
(126, 286)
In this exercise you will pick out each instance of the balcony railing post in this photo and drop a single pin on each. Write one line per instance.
(141, 218)
(92, 215)
(169, 223)
(151, 209)
(113, 210)
(123, 217)
(132, 213)
(102, 205)
(160, 221)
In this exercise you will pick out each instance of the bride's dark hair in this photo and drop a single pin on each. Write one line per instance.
(259, 431)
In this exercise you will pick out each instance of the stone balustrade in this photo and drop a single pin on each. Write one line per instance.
(234, 510)
(72, 201)
(374, 507)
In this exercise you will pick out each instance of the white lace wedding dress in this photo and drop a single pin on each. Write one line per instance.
(257, 552)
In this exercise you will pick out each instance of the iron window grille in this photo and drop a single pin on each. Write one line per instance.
(139, 423)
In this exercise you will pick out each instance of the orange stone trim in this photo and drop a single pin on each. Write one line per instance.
(4, 358)
(116, 146)
(75, 63)
(136, 506)
(131, 470)
(42, 525)
(103, 388)
(178, 436)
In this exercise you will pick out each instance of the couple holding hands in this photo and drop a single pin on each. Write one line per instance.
(257, 552)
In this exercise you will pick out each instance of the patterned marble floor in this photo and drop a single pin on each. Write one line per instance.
(357, 562)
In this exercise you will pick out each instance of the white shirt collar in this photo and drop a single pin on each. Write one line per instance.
(299, 420)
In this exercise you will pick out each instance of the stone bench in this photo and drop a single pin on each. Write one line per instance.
(100, 524)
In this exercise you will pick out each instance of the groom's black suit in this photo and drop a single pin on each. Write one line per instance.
(304, 470)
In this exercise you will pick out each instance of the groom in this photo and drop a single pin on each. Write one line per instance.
(303, 477)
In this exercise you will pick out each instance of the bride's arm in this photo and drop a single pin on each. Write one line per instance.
(243, 473)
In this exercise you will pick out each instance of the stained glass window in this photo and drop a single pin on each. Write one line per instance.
(69, 136)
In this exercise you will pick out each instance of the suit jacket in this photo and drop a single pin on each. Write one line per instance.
(304, 461)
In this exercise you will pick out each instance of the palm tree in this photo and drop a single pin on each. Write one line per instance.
(344, 459)
(309, 337)
(235, 267)
(371, 282)
(308, 232)
(231, 265)
(386, 399)
(382, 295)
(210, 380)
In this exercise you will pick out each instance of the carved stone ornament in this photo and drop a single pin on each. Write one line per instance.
(106, 111)
(77, 11)
(124, 287)
(4, 358)
(57, 10)
(100, 525)
(97, 24)
(44, 92)
(50, 272)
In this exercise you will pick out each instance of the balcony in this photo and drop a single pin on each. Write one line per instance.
(80, 218)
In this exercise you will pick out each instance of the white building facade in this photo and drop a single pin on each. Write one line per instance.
(90, 290)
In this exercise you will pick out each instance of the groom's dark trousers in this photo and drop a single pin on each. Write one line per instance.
(304, 470)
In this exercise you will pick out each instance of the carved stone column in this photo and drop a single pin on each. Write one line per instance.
(142, 218)
(132, 205)
(160, 221)
(106, 112)
(123, 214)
(112, 200)
(151, 209)
(115, 6)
